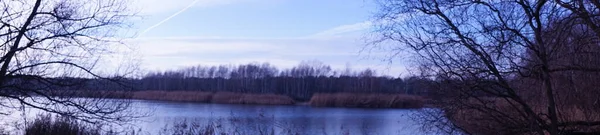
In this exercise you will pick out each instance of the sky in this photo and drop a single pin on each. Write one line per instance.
(181, 33)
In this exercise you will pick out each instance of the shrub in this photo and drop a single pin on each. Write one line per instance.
(47, 125)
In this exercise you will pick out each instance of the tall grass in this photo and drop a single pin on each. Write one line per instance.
(241, 98)
(59, 125)
(478, 122)
(48, 125)
(263, 124)
(218, 97)
(360, 100)
(197, 127)
(93, 94)
(183, 96)
(195, 96)
(364, 100)
(190, 128)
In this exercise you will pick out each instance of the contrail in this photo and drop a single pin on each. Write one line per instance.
(168, 18)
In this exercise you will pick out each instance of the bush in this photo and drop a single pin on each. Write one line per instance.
(47, 125)
(505, 119)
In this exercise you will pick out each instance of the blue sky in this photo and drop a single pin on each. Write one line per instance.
(264, 18)
(281, 32)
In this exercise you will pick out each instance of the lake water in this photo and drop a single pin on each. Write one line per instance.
(303, 120)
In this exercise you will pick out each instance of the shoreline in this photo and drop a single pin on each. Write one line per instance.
(337, 100)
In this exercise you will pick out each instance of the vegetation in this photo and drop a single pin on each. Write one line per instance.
(193, 96)
(48, 125)
(513, 67)
(195, 127)
(299, 82)
(486, 125)
(47, 42)
(256, 84)
(239, 98)
(360, 100)
(211, 97)
(366, 100)
(264, 125)
(185, 96)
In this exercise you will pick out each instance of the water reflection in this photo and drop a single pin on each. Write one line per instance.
(252, 119)
(295, 119)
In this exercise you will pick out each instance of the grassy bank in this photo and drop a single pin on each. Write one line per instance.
(364, 100)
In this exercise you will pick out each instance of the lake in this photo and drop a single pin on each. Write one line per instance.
(304, 120)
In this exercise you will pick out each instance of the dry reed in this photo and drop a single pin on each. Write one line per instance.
(182, 96)
(195, 96)
(244, 98)
(364, 100)
(506, 119)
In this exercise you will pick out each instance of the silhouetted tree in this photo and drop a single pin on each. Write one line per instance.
(47, 43)
(501, 65)
(299, 82)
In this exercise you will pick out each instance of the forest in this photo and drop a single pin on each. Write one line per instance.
(299, 82)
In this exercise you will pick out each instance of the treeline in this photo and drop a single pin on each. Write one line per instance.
(299, 82)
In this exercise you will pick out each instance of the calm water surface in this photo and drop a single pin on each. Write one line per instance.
(299, 119)
(296, 119)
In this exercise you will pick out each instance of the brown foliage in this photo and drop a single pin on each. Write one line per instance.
(195, 96)
(182, 96)
(244, 98)
(497, 116)
(48, 125)
(364, 100)
(537, 76)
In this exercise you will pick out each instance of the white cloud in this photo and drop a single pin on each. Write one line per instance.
(345, 30)
(149, 7)
(176, 52)
(156, 47)
(337, 47)
(146, 7)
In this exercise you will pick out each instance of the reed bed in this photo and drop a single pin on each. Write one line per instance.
(48, 125)
(211, 97)
(92, 94)
(243, 98)
(194, 96)
(478, 122)
(364, 100)
(181, 96)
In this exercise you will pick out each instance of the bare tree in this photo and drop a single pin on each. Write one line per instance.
(46, 42)
(584, 10)
(501, 65)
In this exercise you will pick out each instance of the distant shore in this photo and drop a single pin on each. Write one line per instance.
(346, 100)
